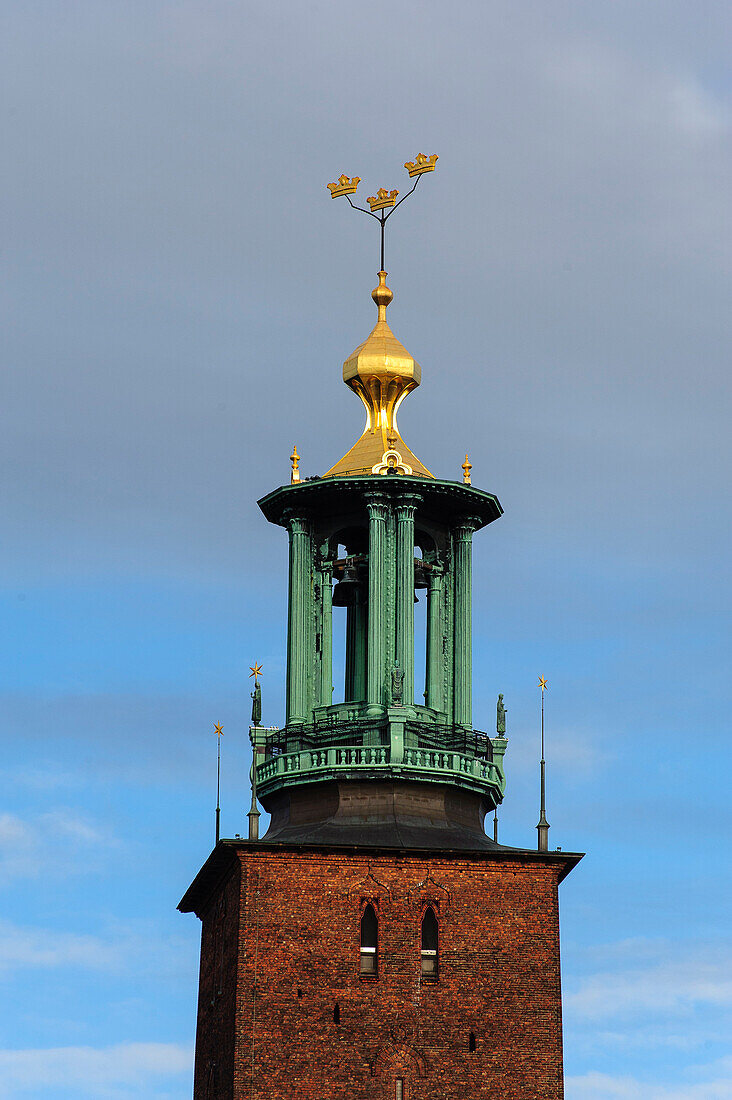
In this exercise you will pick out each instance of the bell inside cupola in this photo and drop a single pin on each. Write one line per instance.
(349, 590)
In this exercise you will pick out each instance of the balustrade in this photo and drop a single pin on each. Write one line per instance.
(357, 756)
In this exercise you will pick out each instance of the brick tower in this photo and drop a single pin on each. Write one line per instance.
(376, 944)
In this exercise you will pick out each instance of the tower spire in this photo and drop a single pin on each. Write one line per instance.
(254, 814)
(543, 826)
(381, 370)
(361, 786)
(219, 731)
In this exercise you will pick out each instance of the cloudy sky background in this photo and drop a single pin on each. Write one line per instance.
(178, 295)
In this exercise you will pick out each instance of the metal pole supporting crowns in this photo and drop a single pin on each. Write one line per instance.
(383, 200)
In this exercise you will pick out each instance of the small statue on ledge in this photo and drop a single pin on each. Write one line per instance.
(257, 704)
(397, 685)
(500, 715)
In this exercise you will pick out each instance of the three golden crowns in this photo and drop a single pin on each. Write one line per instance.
(383, 198)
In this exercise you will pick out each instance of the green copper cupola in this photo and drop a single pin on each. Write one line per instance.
(367, 537)
(380, 766)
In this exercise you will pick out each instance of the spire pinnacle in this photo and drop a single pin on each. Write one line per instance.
(254, 737)
(219, 731)
(295, 464)
(381, 370)
(543, 826)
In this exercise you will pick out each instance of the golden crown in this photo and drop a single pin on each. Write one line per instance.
(421, 164)
(382, 199)
(344, 186)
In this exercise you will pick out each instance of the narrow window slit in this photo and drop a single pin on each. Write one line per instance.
(471, 1042)
(369, 940)
(430, 933)
(336, 1013)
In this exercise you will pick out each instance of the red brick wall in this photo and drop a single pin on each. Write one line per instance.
(297, 934)
(215, 1032)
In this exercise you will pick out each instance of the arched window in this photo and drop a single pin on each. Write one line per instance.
(429, 945)
(471, 1042)
(369, 940)
(336, 1013)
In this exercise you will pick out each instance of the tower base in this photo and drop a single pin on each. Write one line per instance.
(285, 1010)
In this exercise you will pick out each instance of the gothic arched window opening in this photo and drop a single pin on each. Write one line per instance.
(429, 944)
(369, 940)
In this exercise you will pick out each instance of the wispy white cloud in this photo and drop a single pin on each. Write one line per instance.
(71, 826)
(660, 978)
(59, 841)
(107, 1072)
(42, 947)
(39, 778)
(695, 111)
(135, 946)
(648, 1000)
(602, 1086)
(673, 1037)
(677, 103)
(584, 751)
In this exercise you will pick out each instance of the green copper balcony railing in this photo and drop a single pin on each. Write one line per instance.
(431, 765)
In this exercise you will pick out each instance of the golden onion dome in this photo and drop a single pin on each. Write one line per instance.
(382, 372)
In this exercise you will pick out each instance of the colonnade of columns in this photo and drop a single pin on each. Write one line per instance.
(380, 630)
(435, 665)
(463, 624)
(406, 506)
(298, 620)
(378, 510)
(356, 649)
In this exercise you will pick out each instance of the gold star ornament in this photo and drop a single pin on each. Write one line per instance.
(543, 684)
(255, 670)
(218, 730)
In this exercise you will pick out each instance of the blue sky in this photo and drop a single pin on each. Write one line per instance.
(178, 295)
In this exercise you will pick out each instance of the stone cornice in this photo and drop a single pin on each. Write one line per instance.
(452, 499)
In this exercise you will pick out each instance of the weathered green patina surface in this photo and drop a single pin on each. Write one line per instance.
(380, 539)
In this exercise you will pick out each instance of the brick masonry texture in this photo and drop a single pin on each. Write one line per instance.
(280, 948)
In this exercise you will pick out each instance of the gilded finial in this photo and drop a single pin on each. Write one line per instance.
(255, 670)
(219, 731)
(381, 370)
(344, 186)
(467, 467)
(382, 295)
(295, 461)
(421, 164)
(543, 684)
(382, 199)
